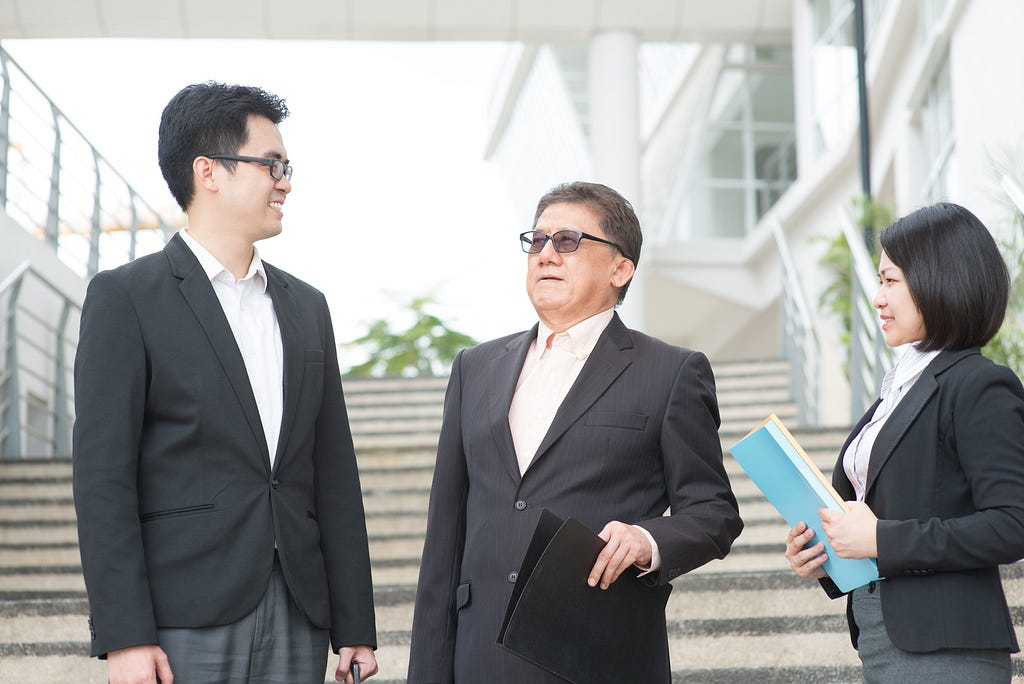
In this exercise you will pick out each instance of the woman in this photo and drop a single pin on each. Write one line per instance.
(934, 470)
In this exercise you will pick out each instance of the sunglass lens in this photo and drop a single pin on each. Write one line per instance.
(565, 241)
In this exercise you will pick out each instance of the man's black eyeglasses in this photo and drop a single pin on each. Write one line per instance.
(563, 241)
(278, 168)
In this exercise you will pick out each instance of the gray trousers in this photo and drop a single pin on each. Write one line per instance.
(274, 644)
(884, 663)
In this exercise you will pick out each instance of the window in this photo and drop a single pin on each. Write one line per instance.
(937, 137)
(749, 154)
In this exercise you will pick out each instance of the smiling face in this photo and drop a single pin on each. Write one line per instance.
(253, 200)
(902, 322)
(568, 288)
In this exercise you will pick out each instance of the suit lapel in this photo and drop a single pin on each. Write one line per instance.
(906, 412)
(198, 292)
(505, 370)
(602, 368)
(291, 342)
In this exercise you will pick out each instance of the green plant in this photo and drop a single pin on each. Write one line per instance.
(1007, 347)
(427, 347)
(836, 299)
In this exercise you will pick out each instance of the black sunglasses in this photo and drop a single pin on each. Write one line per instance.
(563, 241)
(278, 168)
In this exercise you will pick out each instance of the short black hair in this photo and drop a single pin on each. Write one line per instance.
(954, 272)
(615, 215)
(208, 118)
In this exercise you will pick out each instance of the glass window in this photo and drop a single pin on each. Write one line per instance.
(937, 136)
(748, 159)
(833, 71)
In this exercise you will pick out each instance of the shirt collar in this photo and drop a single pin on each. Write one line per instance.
(214, 268)
(578, 340)
(909, 364)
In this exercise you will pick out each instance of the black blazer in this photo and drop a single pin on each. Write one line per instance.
(178, 508)
(946, 480)
(637, 434)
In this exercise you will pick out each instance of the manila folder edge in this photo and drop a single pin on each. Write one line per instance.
(797, 488)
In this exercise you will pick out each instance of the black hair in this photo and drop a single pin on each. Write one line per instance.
(954, 272)
(208, 118)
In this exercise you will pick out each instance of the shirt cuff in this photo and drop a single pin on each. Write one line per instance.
(655, 555)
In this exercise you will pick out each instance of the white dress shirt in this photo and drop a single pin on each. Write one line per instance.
(895, 385)
(552, 364)
(250, 313)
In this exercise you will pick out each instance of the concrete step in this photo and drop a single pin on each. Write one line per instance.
(747, 618)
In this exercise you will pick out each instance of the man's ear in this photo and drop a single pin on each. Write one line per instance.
(624, 270)
(202, 170)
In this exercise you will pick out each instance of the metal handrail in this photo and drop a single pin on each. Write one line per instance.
(1014, 191)
(799, 337)
(59, 187)
(36, 399)
(870, 356)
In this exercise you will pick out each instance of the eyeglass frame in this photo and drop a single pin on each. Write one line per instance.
(550, 238)
(269, 162)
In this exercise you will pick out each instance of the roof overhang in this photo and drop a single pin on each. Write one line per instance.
(761, 21)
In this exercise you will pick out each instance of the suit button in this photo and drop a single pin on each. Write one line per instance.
(274, 483)
(520, 505)
(512, 576)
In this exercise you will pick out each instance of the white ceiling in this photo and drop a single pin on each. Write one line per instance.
(765, 21)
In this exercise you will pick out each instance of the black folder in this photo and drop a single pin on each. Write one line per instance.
(581, 633)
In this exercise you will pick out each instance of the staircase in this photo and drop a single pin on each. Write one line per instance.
(744, 619)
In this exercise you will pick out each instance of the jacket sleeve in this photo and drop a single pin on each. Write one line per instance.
(110, 397)
(432, 652)
(704, 518)
(339, 503)
(985, 433)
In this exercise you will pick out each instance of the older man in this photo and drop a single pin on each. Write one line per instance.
(578, 415)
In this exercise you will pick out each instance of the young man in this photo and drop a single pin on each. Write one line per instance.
(219, 510)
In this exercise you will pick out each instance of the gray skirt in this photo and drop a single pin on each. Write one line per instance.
(883, 663)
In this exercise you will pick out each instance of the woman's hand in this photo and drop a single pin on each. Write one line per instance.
(805, 560)
(852, 534)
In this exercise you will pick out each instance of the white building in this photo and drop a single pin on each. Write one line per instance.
(738, 137)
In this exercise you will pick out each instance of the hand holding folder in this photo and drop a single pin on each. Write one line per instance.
(797, 488)
(581, 633)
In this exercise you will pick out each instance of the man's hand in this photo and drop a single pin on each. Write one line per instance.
(853, 534)
(806, 561)
(139, 665)
(626, 546)
(355, 654)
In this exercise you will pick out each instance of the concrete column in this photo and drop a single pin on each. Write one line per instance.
(613, 83)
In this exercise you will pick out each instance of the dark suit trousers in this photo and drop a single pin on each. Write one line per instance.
(274, 644)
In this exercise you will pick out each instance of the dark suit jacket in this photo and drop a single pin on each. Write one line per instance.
(178, 508)
(946, 480)
(636, 435)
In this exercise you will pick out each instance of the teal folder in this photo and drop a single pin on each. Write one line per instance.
(797, 489)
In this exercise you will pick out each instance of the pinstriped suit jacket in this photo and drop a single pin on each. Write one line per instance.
(637, 434)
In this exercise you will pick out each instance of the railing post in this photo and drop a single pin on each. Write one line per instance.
(53, 206)
(61, 417)
(5, 128)
(94, 234)
(133, 236)
(10, 447)
(800, 339)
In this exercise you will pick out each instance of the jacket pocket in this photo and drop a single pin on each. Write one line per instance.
(630, 421)
(314, 356)
(462, 596)
(172, 512)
